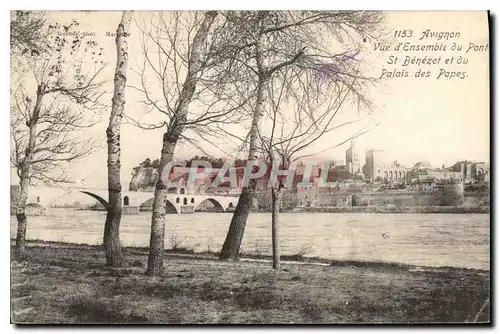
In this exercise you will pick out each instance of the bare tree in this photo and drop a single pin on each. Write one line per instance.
(175, 46)
(111, 239)
(26, 31)
(54, 86)
(184, 45)
(268, 44)
(296, 119)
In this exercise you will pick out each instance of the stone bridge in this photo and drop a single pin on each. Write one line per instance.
(178, 202)
(178, 199)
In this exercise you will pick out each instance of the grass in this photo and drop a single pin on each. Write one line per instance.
(72, 285)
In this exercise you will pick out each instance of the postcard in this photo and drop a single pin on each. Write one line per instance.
(250, 167)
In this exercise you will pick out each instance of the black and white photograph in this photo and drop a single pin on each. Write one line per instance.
(250, 167)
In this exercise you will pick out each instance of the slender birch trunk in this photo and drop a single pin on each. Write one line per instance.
(111, 239)
(275, 201)
(231, 247)
(157, 237)
(170, 139)
(22, 221)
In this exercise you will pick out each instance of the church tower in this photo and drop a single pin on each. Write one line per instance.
(352, 159)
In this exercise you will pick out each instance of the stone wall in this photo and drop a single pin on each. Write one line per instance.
(474, 199)
(289, 200)
(453, 194)
(450, 197)
(380, 199)
(334, 200)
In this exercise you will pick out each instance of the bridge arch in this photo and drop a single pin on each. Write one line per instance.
(169, 206)
(97, 197)
(217, 206)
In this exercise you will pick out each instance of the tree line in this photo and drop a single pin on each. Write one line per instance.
(214, 162)
(282, 77)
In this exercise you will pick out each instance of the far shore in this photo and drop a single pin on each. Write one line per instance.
(349, 209)
(395, 209)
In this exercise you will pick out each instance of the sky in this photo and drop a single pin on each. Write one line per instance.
(414, 119)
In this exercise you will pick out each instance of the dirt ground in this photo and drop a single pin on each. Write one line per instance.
(70, 284)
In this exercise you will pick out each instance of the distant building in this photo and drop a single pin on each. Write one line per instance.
(461, 171)
(337, 174)
(375, 165)
(352, 159)
(395, 173)
(301, 169)
(424, 185)
(443, 174)
(336, 162)
(422, 165)
(472, 171)
(377, 169)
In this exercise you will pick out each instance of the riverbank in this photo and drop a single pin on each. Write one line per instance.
(394, 209)
(32, 209)
(68, 283)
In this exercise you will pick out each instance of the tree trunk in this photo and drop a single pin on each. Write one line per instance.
(170, 139)
(22, 221)
(231, 248)
(275, 200)
(157, 237)
(111, 239)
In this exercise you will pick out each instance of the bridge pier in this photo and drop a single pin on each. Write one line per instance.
(130, 210)
(186, 209)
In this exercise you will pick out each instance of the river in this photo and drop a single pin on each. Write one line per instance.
(459, 240)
